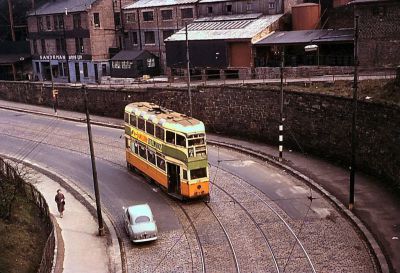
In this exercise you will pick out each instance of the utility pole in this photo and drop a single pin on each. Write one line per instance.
(65, 45)
(188, 70)
(281, 112)
(354, 116)
(96, 184)
(11, 16)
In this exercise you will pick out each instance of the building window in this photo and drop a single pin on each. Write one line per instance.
(60, 45)
(96, 19)
(77, 21)
(58, 22)
(85, 70)
(40, 23)
(167, 33)
(228, 8)
(48, 23)
(249, 6)
(117, 19)
(187, 13)
(134, 38)
(166, 14)
(79, 45)
(271, 5)
(37, 67)
(43, 44)
(209, 10)
(151, 62)
(130, 17)
(148, 16)
(62, 68)
(34, 44)
(149, 37)
(104, 69)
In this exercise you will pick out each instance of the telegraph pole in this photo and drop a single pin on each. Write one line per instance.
(11, 16)
(281, 112)
(96, 184)
(354, 116)
(188, 70)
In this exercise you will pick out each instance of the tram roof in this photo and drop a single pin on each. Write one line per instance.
(166, 118)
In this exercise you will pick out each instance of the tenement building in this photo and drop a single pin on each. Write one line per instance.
(71, 39)
(149, 22)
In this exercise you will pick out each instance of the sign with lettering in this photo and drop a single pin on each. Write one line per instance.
(63, 58)
(136, 134)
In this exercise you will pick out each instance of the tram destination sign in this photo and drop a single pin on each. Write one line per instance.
(147, 140)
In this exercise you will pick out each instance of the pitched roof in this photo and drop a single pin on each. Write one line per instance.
(59, 6)
(231, 27)
(127, 55)
(158, 3)
(308, 36)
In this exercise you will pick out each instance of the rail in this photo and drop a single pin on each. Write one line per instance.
(11, 174)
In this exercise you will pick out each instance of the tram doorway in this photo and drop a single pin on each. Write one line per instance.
(173, 172)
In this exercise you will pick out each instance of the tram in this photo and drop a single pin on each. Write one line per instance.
(169, 148)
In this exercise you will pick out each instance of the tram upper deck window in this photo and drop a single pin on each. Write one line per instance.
(132, 120)
(170, 137)
(160, 133)
(198, 173)
(126, 117)
(150, 128)
(180, 140)
(141, 124)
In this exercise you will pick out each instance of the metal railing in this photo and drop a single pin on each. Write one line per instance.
(31, 193)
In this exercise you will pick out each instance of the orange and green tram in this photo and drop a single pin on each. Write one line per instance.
(168, 147)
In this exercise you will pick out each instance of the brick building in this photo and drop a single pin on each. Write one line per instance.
(149, 23)
(379, 35)
(70, 39)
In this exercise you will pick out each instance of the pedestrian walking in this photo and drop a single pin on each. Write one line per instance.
(60, 200)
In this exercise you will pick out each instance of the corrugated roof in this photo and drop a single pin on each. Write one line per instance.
(308, 36)
(59, 6)
(225, 28)
(158, 3)
(127, 55)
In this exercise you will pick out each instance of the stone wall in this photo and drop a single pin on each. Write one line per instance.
(320, 124)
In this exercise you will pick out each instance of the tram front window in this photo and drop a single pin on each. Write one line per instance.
(198, 173)
(195, 142)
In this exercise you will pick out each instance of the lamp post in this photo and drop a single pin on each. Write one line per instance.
(188, 69)
(313, 48)
(94, 171)
(354, 117)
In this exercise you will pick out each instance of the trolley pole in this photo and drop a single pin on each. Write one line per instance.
(188, 70)
(96, 184)
(354, 117)
(281, 112)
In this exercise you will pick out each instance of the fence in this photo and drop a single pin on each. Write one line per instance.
(10, 173)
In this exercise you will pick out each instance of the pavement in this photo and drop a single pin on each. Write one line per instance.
(376, 211)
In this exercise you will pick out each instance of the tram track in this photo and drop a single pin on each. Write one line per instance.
(278, 269)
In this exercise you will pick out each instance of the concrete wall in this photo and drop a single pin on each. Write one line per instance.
(320, 123)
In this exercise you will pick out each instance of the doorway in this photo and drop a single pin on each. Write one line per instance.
(96, 73)
(77, 72)
(46, 74)
(173, 172)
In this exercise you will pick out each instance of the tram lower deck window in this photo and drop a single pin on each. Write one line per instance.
(142, 151)
(198, 173)
(151, 157)
(161, 163)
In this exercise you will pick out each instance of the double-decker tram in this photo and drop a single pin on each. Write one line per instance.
(168, 147)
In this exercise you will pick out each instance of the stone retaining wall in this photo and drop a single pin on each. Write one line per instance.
(317, 124)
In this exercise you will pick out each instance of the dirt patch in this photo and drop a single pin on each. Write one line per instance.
(22, 239)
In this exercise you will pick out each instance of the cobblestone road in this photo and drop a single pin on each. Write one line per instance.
(329, 239)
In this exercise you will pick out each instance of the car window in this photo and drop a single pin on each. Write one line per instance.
(142, 219)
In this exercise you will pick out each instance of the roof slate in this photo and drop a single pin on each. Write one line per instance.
(127, 55)
(226, 27)
(308, 36)
(59, 6)
(157, 3)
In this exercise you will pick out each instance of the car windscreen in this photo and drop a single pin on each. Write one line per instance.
(142, 219)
